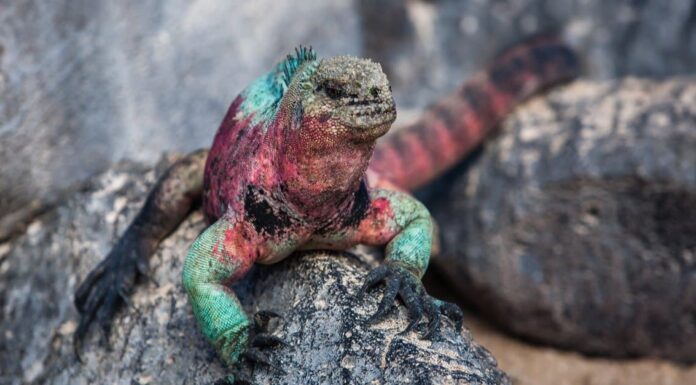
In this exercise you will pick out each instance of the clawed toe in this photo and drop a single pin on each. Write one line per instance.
(454, 313)
(254, 354)
(260, 339)
(257, 357)
(433, 313)
(107, 288)
(262, 318)
(390, 293)
(264, 340)
(402, 282)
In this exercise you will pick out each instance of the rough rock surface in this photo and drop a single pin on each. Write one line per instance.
(577, 225)
(157, 341)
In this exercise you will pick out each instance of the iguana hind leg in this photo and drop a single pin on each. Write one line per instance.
(110, 284)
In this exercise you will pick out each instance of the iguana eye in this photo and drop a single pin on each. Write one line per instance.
(332, 89)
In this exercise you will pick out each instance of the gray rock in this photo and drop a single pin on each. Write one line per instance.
(157, 340)
(428, 46)
(576, 226)
(86, 83)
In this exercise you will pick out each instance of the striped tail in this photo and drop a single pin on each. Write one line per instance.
(451, 128)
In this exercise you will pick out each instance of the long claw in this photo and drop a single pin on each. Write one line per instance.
(267, 340)
(373, 278)
(260, 339)
(432, 329)
(390, 293)
(433, 313)
(77, 345)
(125, 296)
(262, 317)
(104, 340)
(454, 313)
(415, 310)
(105, 290)
(411, 325)
(144, 271)
(104, 319)
(257, 356)
(88, 316)
(83, 292)
(412, 302)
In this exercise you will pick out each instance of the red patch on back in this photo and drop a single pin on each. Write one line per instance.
(380, 206)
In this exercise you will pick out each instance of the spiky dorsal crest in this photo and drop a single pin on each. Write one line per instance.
(262, 97)
(293, 62)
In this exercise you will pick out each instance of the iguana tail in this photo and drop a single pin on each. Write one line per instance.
(455, 125)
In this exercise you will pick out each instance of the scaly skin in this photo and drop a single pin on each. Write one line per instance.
(288, 170)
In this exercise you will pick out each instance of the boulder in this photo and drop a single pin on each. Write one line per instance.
(156, 340)
(576, 226)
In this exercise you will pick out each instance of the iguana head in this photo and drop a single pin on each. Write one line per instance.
(350, 98)
(343, 98)
(352, 95)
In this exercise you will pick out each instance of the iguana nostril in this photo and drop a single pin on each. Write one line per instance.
(374, 91)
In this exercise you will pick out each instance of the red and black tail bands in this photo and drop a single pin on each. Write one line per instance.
(452, 127)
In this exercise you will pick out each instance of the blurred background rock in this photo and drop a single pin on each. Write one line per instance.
(86, 83)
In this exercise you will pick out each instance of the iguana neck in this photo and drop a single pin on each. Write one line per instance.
(319, 176)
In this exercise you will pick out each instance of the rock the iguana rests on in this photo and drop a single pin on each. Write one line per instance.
(577, 225)
(288, 170)
(156, 340)
(329, 341)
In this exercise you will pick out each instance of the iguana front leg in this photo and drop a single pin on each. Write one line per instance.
(221, 255)
(404, 226)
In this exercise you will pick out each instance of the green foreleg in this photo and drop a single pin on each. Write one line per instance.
(208, 267)
(412, 244)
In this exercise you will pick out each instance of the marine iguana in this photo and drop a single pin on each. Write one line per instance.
(296, 165)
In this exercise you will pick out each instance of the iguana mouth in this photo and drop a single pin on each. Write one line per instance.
(368, 108)
(367, 114)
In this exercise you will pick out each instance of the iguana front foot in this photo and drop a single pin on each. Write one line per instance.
(401, 281)
(260, 339)
(108, 287)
